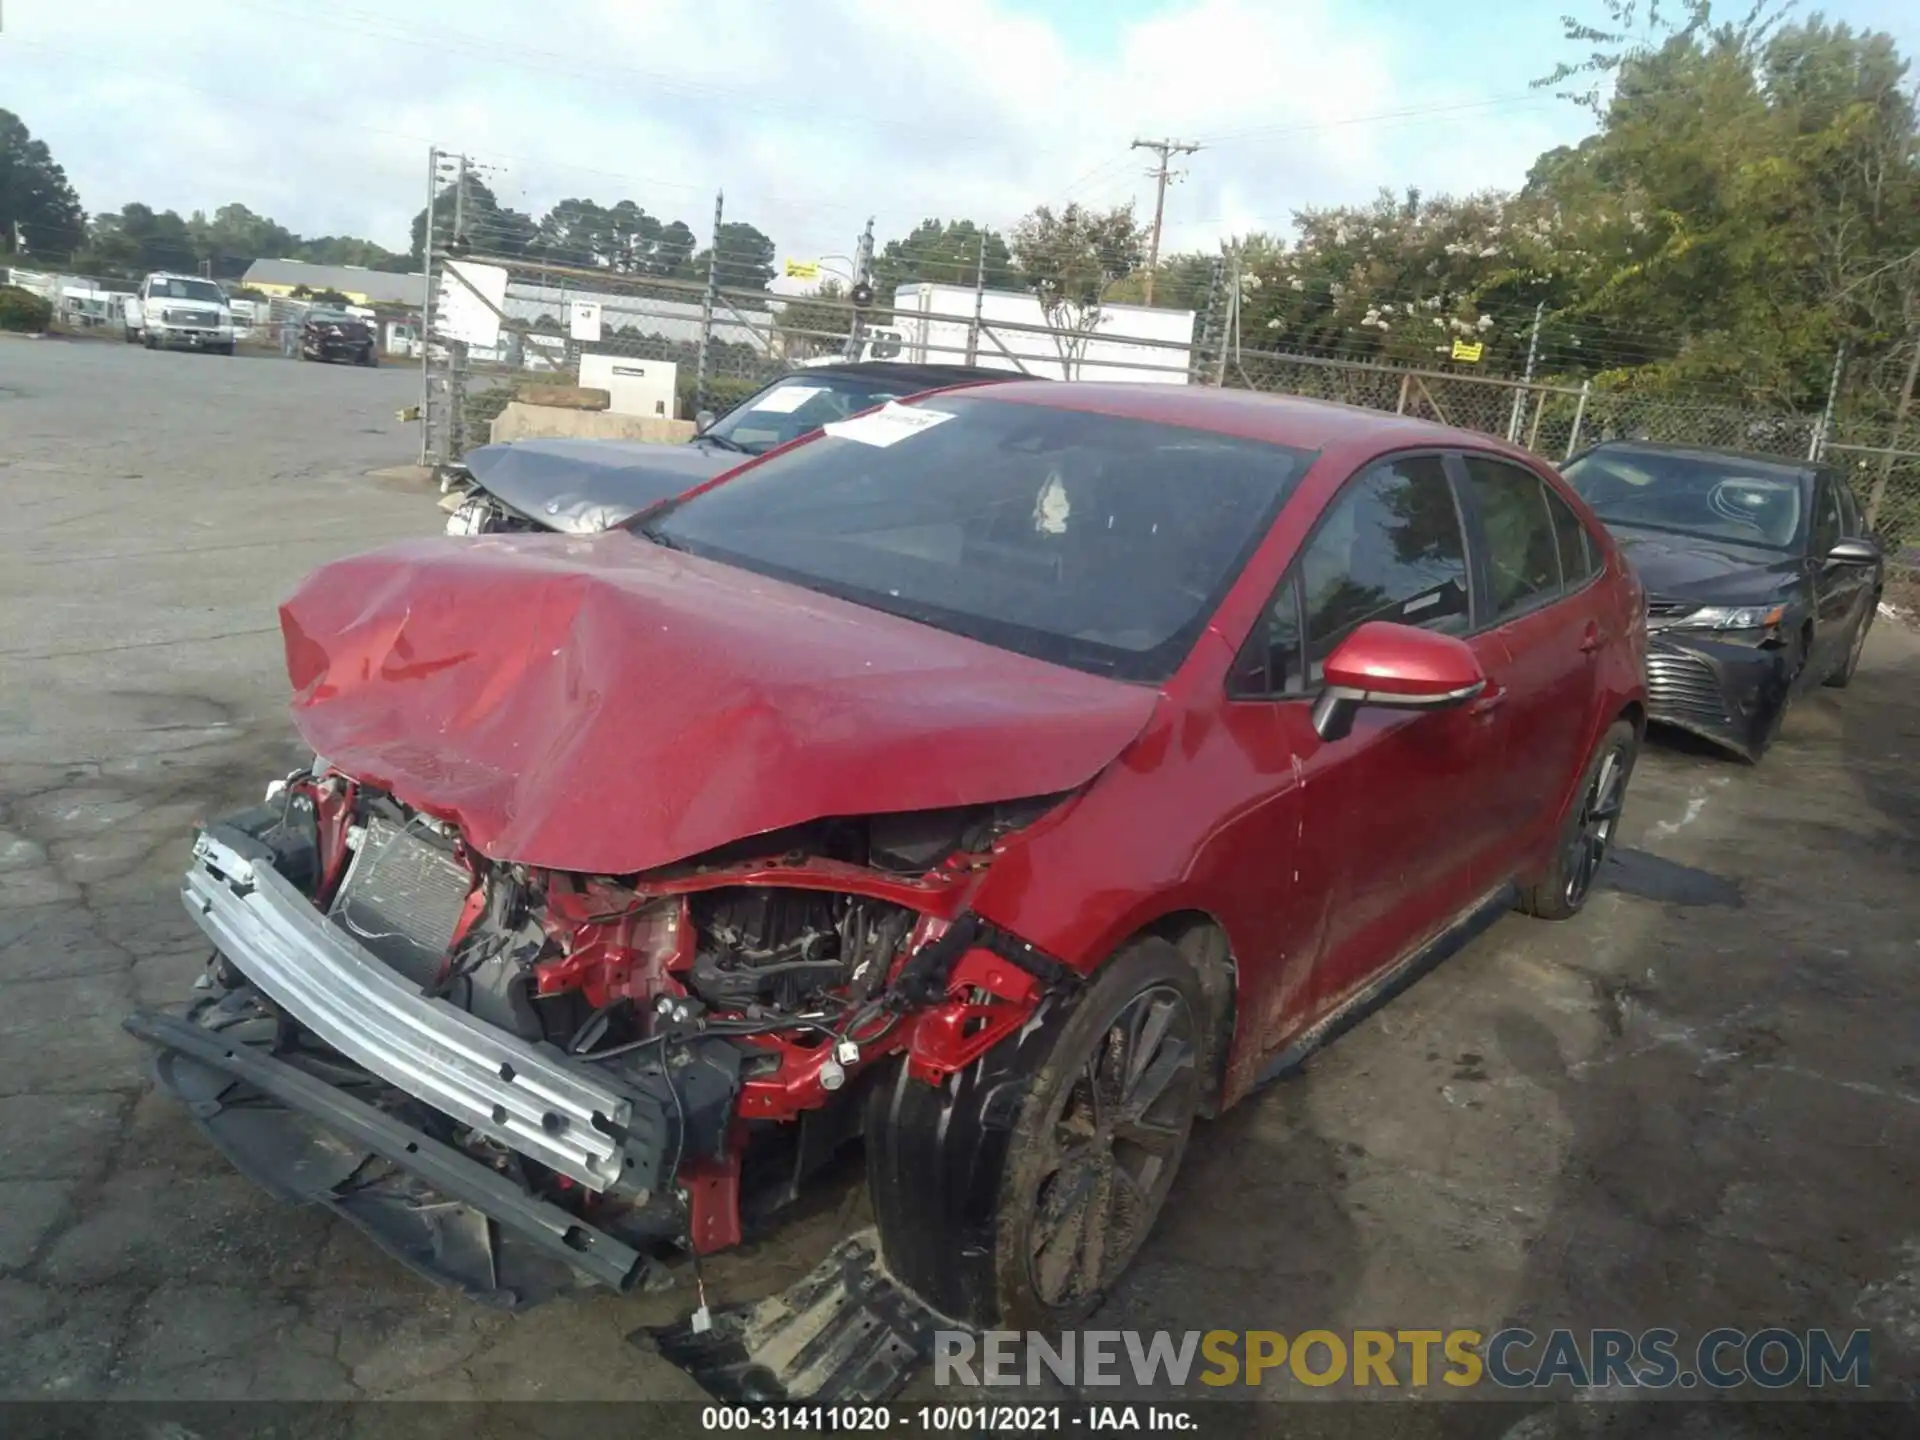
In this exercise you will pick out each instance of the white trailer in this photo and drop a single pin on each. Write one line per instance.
(931, 325)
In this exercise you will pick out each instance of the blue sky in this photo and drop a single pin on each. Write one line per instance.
(811, 116)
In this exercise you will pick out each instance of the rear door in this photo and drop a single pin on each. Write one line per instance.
(1533, 564)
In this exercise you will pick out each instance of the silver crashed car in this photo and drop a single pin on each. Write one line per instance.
(580, 486)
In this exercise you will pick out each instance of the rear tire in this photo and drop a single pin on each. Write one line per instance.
(1016, 1194)
(1591, 825)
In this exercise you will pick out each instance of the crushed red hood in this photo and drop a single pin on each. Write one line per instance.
(608, 706)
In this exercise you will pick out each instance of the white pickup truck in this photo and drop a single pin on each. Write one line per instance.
(180, 310)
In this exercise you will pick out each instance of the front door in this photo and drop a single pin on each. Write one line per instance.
(1841, 591)
(1387, 814)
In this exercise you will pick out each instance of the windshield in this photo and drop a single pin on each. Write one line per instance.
(1087, 540)
(176, 288)
(799, 404)
(1710, 497)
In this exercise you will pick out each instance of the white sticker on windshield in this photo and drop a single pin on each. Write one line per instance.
(786, 400)
(888, 425)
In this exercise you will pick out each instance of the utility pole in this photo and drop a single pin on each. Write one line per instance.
(862, 282)
(1160, 175)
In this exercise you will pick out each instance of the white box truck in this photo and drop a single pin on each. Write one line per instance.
(931, 322)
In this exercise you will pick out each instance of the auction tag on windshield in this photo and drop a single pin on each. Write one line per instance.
(786, 400)
(888, 425)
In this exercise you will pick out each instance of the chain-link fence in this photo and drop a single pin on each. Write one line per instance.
(1557, 420)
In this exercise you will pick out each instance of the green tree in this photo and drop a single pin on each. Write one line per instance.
(486, 226)
(621, 237)
(1071, 260)
(816, 324)
(1075, 255)
(746, 257)
(344, 250)
(39, 212)
(234, 237)
(1750, 203)
(943, 252)
(137, 238)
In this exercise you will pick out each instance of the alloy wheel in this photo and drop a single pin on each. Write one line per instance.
(1113, 1142)
(1593, 832)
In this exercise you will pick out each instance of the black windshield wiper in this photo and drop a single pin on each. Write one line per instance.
(723, 442)
(658, 537)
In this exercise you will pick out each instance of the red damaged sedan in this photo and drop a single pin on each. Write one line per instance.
(1001, 780)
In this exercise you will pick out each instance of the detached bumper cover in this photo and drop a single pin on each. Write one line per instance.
(524, 1096)
(307, 1140)
(1730, 694)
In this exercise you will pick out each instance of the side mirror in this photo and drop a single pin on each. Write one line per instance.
(1396, 667)
(703, 421)
(1860, 551)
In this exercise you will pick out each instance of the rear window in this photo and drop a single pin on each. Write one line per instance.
(1088, 540)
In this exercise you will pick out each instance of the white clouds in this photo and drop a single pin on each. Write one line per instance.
(810, 116)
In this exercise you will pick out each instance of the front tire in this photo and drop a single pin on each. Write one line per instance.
(1015, 1195)
(1591, 826)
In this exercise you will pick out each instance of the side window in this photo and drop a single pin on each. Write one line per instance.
(1850, 521)
(1523, 556)
(1579, 560)
(1388, 548)
(1269, 663)
(1826, 520)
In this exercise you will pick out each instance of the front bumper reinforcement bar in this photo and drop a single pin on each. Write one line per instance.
(524, 1096)
(592, 1252)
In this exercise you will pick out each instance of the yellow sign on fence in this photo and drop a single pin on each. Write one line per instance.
(1469, 350)
(803, 269)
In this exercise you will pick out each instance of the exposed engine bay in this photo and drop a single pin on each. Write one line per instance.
(541, 1075)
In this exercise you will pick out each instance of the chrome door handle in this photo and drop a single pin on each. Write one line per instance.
(1489, 702)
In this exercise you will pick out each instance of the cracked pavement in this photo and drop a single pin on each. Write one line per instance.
(1697, 1105)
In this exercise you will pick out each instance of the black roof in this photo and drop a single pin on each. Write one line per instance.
(927, 377)
(1708, 452)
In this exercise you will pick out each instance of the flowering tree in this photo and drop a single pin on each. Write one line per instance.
(1072, 259)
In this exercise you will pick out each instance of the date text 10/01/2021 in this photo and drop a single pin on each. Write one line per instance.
(938, 1419)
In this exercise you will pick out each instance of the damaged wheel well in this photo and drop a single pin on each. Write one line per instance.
(1202, 941)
